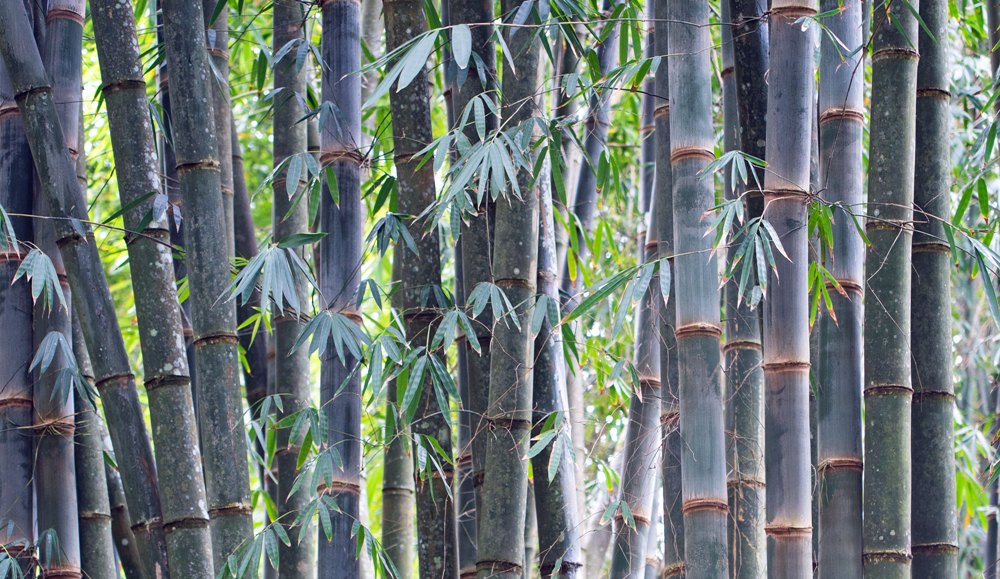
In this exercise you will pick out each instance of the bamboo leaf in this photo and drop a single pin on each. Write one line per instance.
(461, 44)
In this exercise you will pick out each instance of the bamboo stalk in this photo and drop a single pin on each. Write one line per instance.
(290, 217)
(888, 389)
(340, 261)
(555, 498)
(15, 317)
(217, 44)
(515, 266)
(114, 378)
(935, 531)
(790, 108)
(670, 461)
(213, 320)
(167, 378)
(697, 330)
(97, 548)
(744, 375)
(839, 372)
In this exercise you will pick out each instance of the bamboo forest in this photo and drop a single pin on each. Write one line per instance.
(451, 289)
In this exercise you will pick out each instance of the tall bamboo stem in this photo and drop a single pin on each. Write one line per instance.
(339, 277)
(888, 389)
(515, 267)
(838, 453)
(213, 320)
(697, 330)
(935, 530)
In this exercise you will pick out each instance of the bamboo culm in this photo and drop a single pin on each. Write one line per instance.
(935, 531)
(515, 266)
(696, 294)
(839, 373)
(663, 193)
(291, 366)
(114, 378)
(213, 318)
(340, 255)
(888, 388)
(790, 107)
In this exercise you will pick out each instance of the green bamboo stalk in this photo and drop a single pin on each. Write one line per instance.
(476, 235)
(167, 378)
(642, 433)
(121, 522)
(555, 498)
(515, 265)
(217, 44)
(340, 256)
(671, 450)
(839, 377)
(55, 468)
(888, 389)
(991, 556)
(290, 217)
(419, 272)
(697, 330)
(213, 319)
(790, 108)
(935, 531)
(398, 490)
(744, 375)
(114, 378)
(16, 510)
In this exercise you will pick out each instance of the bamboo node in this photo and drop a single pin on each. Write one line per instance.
(727, 71)
(219, 338)
(707, 504)
(640, 519)
(339, 487)
(848, 285)
(746, 482)
(934, 93)
(887, 555)
(61, 426)
(61, 572)
(793, 12)
(787, 531)
(919, 395)
(935, 548)
(185, 523)
(888, 390)
(900, 53)
(683, 153)
(931, 247)
(789, 366)
(203, 165)
(94, 516)
(8, 108)
(779, 194)
(547, 569)
(123, 85)
(673, 570)
(661, 111)
(840, 114)
(888, 225)
(499, 567)
(167, 380)
(330, 157)
(840, 464)
(398, 491)
(233, 509)
(698, 329)
(741, 345)
(125, 380)
(515, 282)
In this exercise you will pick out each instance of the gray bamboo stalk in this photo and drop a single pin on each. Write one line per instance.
(167, 378)
(642, 434)
(16, 510)
(991, 556)
(888, 389)
(555, 499)
(530, 532)
(671, 450)
(55, 467)
(465, 509)
(291, 366)
(245, 240)
(935, 531)
(121, 523)
(114, 378)
(476, 237)
(839, 377)
(744, 375)
(788, 461)
(697, 329)
(97, 548)
(224, 452)
(217, 44)
(398, 490)
(419, 272)
(339, 278)
(515, 266)
(654, 562)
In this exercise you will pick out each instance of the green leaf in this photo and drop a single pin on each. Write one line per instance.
(299, 239)
(415, 60)
(461, 44)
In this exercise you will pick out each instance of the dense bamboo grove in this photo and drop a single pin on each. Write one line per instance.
(499, 289)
